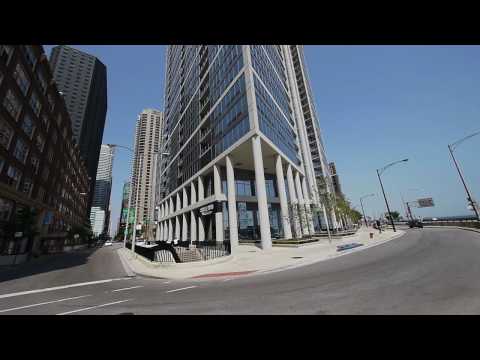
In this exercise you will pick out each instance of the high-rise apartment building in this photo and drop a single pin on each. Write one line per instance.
(100, 212)
(40, 165)
(238, 161)
(335, 180)
(82, 79)
(147, 141)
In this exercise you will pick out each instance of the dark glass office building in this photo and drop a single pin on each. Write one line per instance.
(82, 79)
(234, 145)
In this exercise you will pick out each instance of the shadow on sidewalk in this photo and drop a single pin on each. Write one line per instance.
(46, 263)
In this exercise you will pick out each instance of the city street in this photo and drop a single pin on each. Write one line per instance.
(426, 271)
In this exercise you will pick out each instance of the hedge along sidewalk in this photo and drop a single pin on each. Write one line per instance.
(249, 259)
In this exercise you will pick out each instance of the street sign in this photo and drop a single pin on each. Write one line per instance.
(207, 210)
(427, 202)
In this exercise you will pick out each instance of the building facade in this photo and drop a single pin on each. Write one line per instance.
(147, 141)
(335, 180)
(238, 163)
(40, 164)
(103, 187)
(82, 79)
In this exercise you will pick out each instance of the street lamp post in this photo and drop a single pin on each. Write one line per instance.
(379, 172)
(363, 211)
(469, 195)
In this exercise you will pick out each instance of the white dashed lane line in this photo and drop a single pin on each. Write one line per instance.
(3, 296)
(128, 288)
(185, 288)
(94, 307)
(42, 303)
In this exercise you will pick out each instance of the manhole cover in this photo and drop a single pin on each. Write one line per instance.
(297, 257)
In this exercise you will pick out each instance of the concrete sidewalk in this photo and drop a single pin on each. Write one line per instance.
(249, 259)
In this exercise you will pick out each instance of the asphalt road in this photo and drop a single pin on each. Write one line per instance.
(426, 271)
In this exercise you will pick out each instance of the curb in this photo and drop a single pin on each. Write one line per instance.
(125, 264)
(453, 227)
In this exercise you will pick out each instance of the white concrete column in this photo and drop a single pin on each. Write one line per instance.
(217, 187)
(179, 203)
(185, 198)
(165, 230)
(201, 229)
(171, 206)
(160, 231)
(301, 204)
(177, 227)
(282, 195)
(308, 206)
(265, 235)
(193, 226)
(293, 203)
(232, 205)
(193, 194)
(170, 230)
(184, 227)
(201, 191)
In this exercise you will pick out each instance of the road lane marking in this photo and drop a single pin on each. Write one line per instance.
(93, 307)
(185, 288)
(168, 282)
(42, 303)
(129, 288)
(3, 296)
(227, 280)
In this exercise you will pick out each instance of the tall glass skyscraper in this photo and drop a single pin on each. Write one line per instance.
(100, 212)
(236, 160)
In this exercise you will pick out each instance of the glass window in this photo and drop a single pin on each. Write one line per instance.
(6, 208)
(40, 141)
(6, 52)
(27, 186)
(21, 78)
(27, 126)
(35, 103)
(30, 55)
(41, 80)
(6, 133)
(21, 150)
(13, 175)
(12, 104)
(35, 161)
(2, 163)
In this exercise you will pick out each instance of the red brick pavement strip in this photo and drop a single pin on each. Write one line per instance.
(224, 274)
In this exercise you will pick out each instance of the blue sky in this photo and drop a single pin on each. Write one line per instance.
(376, 104)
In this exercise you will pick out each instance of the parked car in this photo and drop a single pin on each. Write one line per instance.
(108, 243)
(415, 223)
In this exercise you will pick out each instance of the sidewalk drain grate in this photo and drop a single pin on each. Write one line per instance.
(297, 257)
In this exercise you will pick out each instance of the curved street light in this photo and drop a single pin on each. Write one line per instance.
(452, 147)
(361, 203)
(379, 172)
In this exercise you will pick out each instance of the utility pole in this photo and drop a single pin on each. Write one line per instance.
(469, 198)
(379, 171)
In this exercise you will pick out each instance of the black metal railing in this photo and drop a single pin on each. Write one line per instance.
(184, 251)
